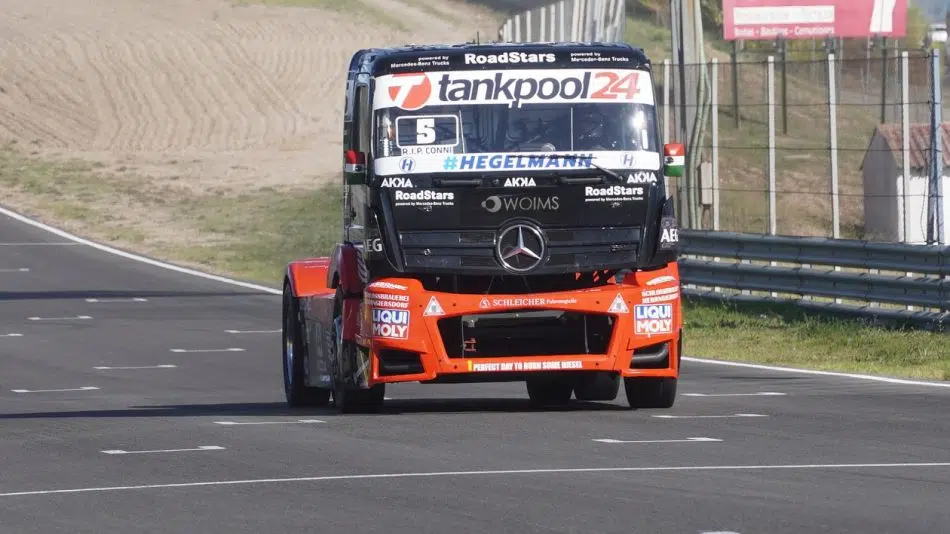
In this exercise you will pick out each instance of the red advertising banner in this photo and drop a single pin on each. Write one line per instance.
(813, 19)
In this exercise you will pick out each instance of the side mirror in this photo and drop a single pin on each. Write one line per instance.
(354, 166)
(674, 159)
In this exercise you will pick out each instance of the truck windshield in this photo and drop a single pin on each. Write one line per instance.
(500, 118)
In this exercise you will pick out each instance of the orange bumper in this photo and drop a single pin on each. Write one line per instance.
(399, 317)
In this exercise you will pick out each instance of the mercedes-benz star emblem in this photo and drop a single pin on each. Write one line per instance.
(520, 248)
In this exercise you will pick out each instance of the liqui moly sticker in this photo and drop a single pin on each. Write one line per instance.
(513, 88)
(392, 324)
(652, 319)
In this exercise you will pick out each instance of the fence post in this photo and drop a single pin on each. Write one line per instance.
(733, 57)
(667, 86)
(714, 97)
(904, 206)
(938, 144)
(833, 143)
(936, 157)
(773, 218)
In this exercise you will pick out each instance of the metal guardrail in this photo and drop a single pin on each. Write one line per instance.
(801, 270)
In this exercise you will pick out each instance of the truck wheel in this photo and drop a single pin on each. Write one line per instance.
(650, 392)
(597, 386)
(350, 400)
(294, 359)
(346, 398)
(545, 390)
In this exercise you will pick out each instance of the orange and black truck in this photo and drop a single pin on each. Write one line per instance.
(504, 217)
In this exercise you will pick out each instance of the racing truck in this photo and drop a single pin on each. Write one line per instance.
(504, 218)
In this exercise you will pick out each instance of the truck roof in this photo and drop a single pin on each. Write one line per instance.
(497, 55)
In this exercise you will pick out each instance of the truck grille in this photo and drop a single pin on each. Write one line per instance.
(569, 249)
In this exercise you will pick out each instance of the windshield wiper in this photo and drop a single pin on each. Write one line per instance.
(609, 172)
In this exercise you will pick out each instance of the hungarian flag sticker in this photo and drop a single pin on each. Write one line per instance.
(674, 156)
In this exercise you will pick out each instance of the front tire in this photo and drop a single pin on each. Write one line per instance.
(347, 398)
(650, 392)
(295, 359)
(549, 390)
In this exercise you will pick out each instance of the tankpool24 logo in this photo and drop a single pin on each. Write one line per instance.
(514, 88)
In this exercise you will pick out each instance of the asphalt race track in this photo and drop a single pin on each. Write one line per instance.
(137, 399)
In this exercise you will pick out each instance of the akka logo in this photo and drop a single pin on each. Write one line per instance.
(411, 90)
(397, 181)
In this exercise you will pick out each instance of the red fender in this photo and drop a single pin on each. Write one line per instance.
(345, 269)
(347, 272)
(308, 277)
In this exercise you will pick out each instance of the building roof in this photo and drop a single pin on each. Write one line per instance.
(893, 134)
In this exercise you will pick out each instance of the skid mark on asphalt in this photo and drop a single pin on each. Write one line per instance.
(482, 473)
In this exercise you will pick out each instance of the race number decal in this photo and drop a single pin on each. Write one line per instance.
(427, 134)
(616, 87)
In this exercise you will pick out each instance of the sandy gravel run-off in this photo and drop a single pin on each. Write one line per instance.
(217, 94)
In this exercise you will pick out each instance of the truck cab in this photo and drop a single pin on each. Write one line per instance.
(504, 218)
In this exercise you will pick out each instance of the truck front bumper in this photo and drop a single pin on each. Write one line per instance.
(414, 335)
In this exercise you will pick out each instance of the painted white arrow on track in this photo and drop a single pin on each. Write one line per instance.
(687, 440)
(201, 448)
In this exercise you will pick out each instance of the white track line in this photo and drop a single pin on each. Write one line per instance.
(253, 331)
(135, 299)
(11, 335)
(460, 474)
(75, 317)
(687, 440)
(885, 379)
(38, 244)
(19, 270)
(709, 416)
(208, 350)
(163, 366)
(196, 449)
(135, 257)
(297, 422)
(274, 291)
(757, 394)
(84, 388)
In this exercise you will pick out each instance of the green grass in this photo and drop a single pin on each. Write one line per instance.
(787, 335)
